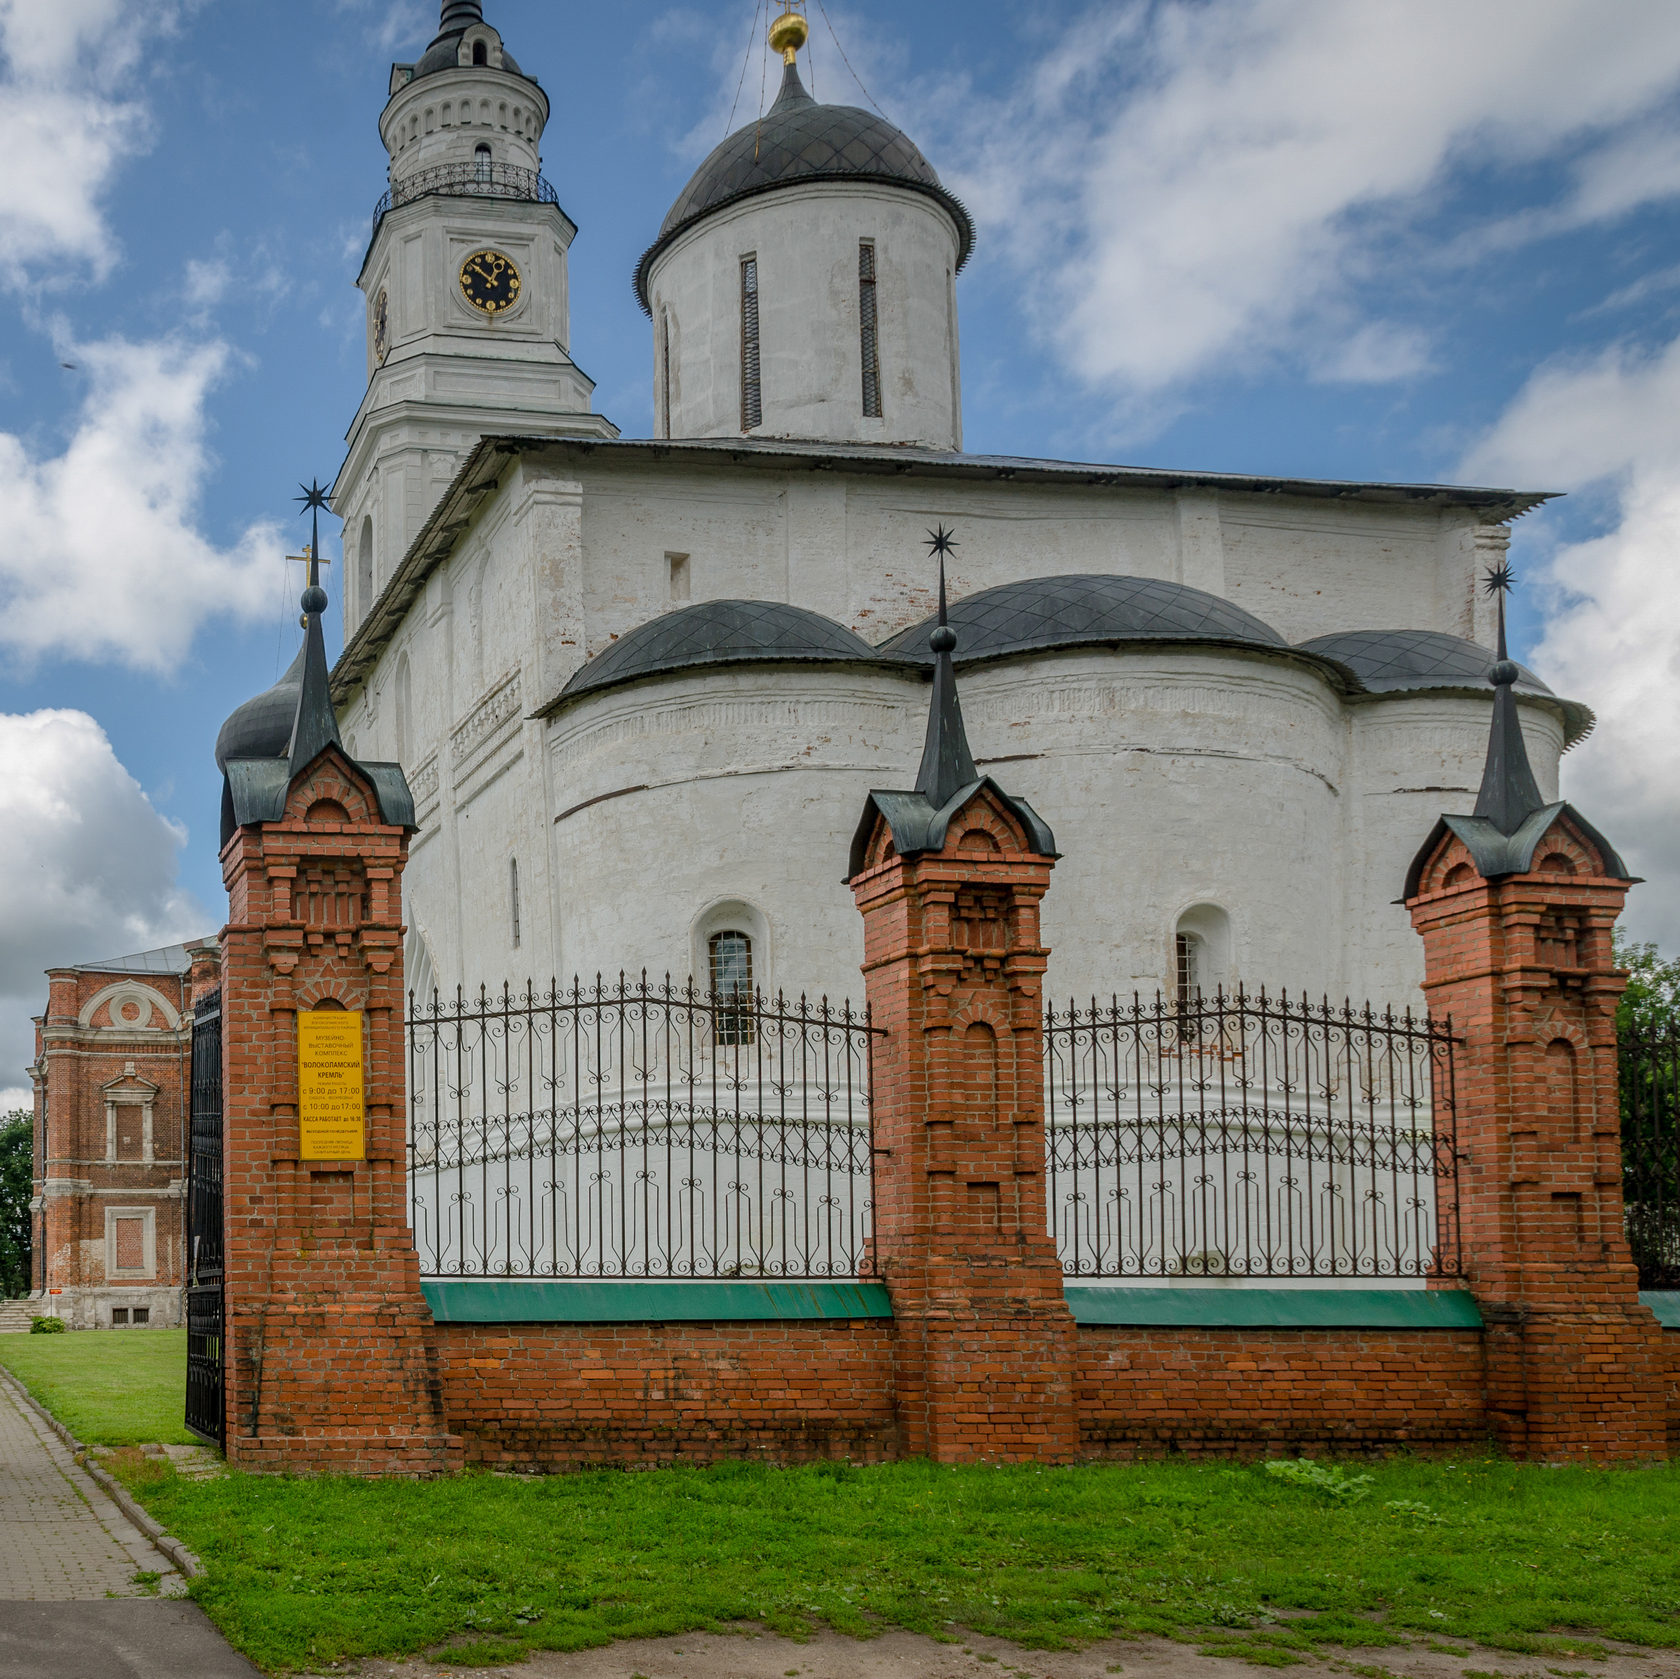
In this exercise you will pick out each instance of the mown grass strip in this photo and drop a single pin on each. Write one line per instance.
(1546, 1561)
(109, 1387)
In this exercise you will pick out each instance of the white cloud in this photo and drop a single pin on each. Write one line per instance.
(103, 560)
(1377, 354)
(1612, 424)
(1190, 188)
(91, 866)
(66, 124)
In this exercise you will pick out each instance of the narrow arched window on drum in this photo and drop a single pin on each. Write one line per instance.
(732, 987)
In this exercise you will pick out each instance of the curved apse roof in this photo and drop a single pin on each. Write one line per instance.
(1410, 661)
(1083, 610)
(721, 632)
(798, 140)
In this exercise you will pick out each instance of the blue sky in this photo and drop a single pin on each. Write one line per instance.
(1406, 239)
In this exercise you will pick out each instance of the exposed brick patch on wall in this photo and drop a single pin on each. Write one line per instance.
(1151, 1392)
(559, 1396)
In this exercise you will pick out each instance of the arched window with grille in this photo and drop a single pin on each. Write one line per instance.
(482, 163)
(730, 956)
(1201, 953)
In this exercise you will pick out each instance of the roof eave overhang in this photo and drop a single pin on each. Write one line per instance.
(912, 460)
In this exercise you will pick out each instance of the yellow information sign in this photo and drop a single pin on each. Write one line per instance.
(330, 1114)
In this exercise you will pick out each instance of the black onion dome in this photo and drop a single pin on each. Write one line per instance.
(800, 140)
(262, 727)
(445, 51)
(1083, 611)
(722, 632)
(1410, 661)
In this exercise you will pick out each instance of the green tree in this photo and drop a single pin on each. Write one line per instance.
(1648, 1026)
(17, 1171)
(1652, 999)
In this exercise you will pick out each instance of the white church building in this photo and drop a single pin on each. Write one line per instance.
(641, 689)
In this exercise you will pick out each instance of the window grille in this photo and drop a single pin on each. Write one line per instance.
(1189, 966)
(732, 986)
(513, 897)
(870, 331)
(482, 162)
(752, 396)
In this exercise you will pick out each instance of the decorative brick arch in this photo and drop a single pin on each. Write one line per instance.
(148, 1000)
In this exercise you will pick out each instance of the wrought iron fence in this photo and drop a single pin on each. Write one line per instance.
(638, 1130)
(1650, 1090)
(466, 180)
(1251, 1136)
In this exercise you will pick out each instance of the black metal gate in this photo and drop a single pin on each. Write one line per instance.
(204, 1226)
(1650, 1079)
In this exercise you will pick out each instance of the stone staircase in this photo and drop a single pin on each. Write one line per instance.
(15, 1316)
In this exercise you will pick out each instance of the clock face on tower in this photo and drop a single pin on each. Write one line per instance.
(381, 328)
(490, 282)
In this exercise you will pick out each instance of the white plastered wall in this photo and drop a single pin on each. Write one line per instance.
(806, 243)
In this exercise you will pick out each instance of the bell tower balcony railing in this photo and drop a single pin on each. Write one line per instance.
(466, 180)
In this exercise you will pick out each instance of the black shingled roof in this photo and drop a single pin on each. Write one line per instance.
(799, 140)
(721, 632)
(1039, 612)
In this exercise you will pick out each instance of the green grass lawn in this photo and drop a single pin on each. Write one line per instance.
(109, 1387)
(1235, 1558)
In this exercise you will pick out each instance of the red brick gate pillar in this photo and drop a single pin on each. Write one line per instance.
(1515, 905)
(328, 1358)
(948, 879)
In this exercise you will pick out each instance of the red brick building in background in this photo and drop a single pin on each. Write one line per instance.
(112, 1074)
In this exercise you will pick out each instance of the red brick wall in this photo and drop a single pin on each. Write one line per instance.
(557, 1396)
(76, 1066)
(1145, 1392)
(1671, 1346)
(554, 1396)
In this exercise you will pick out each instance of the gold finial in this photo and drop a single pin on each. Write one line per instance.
(788, 34)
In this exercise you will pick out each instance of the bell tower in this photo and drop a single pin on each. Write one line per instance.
(468, 324)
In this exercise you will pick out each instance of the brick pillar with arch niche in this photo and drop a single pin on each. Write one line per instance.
(330, 1363)
(949, 879)
(1515, 906)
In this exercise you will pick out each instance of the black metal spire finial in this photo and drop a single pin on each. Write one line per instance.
(1509, 793)
(947, 763)
(316, 723)
(460, 14)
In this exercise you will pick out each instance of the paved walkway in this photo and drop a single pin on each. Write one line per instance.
(61, 1538)
(65, 1551)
